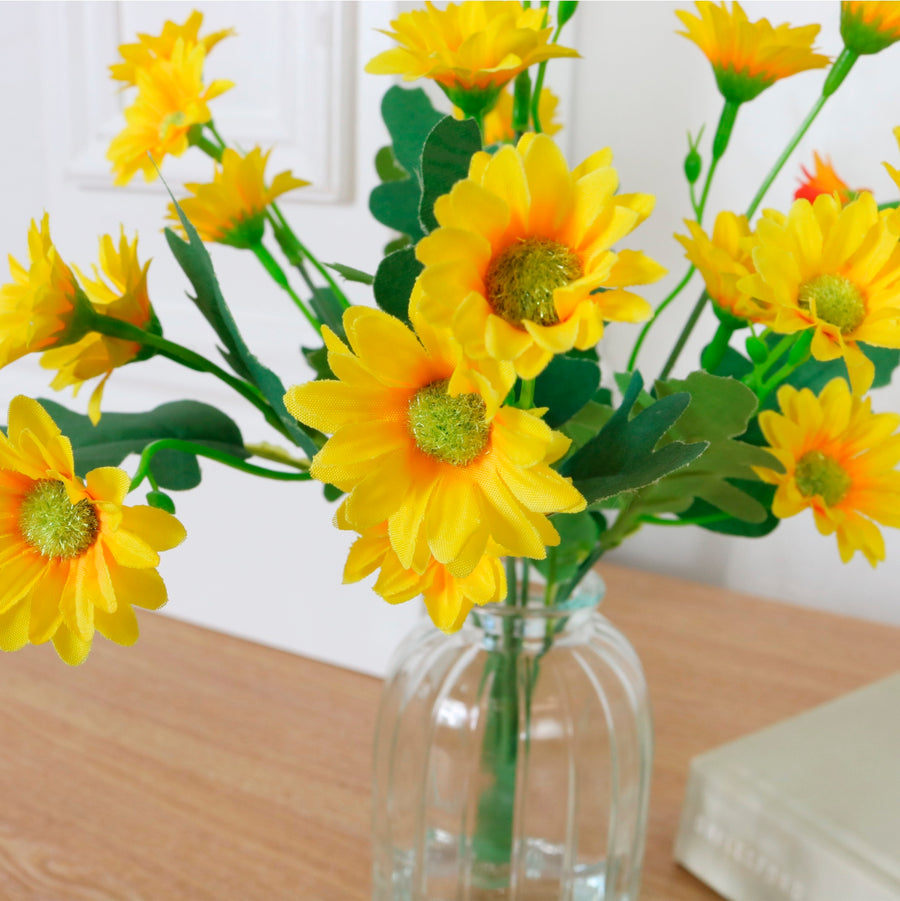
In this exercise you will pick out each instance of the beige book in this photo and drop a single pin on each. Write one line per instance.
(805, 810)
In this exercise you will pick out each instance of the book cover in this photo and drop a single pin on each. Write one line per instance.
(805, 810)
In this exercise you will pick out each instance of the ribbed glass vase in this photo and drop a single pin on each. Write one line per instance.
(512, 759)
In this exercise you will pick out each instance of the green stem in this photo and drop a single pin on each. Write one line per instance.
(511, 592)
(295, 244)
(523, 587)
(212, 150)
(211, 125)
(632, 360)
(526, 394)
(714, 351)
(200, 450)
(839, 71)
(685, 334)
(278, 275)
(706, 186)
(117, 328)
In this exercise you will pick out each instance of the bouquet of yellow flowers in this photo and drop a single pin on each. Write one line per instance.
(463, 422)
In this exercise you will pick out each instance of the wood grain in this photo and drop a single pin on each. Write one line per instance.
(200, 767)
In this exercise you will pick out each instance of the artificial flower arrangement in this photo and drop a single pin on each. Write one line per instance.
(464, 423)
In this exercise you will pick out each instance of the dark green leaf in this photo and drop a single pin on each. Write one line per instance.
(331, 493)
(394, 282)
(621, 457)
(328, 309)
(398, 243)
(409, 117)
(446, 156)
(565, 386)
(351, 274)
(119, 434)
(194, 260)
(317, 357)
(760, 491)
(396, 205)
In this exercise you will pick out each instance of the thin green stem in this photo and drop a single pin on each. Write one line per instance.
(280, 278)
(308, 255)
(706, 186)
(714, 351)
(632, 360)
(523, 587)
(511, 592)
(207, 146)
(117, 328)
(526, 394)
(211, 125)
(685, 334)
(200, 450)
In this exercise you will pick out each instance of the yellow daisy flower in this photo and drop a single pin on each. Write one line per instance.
(448, 598)
(424, 444)
(153, 47)
(521, 267)
(747, 57)
(471, 49)
(869, 26)
(835, 270)
(231, 209)
(723, 260)
(171, 99)
(498, 124)
(74, 558)
(121, 295)
(840, 461)
(39, 308)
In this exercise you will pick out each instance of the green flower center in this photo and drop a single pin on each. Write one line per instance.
(450, 429)
(520, 282)
(53, 525)
(838, 301)
(819, 474)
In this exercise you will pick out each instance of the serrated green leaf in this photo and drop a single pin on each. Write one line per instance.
(565, 386)
(446, 156)
(119, 434)
(622, 456)
(394, 282)
(720, 410)
(194, 260)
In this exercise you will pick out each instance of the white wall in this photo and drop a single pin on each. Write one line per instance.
(262, 559)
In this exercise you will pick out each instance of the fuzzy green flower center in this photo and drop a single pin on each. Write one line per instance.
(819, 474)
(838, 301)
(450, 429)
(53, 525)
(520, 282)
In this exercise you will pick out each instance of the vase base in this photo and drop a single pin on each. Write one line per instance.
(543, 875)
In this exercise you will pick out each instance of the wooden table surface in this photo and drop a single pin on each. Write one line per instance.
(198, 767)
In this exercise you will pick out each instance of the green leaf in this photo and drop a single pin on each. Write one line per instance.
(196, 264)
(317, 358)
(351, 274)
(409, 117)
(719, 412)
(446, 156)
(328, 309)
(578, 534)
(161, 501)
(394, 282)
(621, 457)
(585, 424)
(565, 386)
(759, 491)
(119, 434)
(387, 167)
(396, 205)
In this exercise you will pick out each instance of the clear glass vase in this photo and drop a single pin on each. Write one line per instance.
(512, 759)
